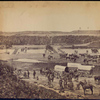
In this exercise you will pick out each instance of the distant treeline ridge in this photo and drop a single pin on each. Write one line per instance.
(43, 40)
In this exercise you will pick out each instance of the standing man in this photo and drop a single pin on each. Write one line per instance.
(41, 71)
(44, 55)
(25, 74)
(28, 73)
(49, 80)
(61, 85)
(53, 76)
(34, 73)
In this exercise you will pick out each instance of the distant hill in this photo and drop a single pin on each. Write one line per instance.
(43, 33)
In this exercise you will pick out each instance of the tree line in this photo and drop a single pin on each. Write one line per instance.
(43, 40)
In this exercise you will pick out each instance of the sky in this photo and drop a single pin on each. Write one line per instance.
(49, 15)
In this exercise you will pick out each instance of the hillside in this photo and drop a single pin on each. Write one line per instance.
(12, 87)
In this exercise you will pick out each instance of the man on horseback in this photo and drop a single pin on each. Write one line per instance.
(86, 85)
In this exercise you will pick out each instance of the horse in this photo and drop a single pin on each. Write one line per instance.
(94, 60)
(94, 50)
(86, 86)
(85, 61)
(82, 55)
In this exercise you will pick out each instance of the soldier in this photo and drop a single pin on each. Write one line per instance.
(28, 73)
(24, 74)
(70, 85)
(41, 71)
(34, 73)
(65, 83)
(49, 79)
(43, 55)
(85, 81)
(48, 76)
(37, 78)
(53, 77)
(87, 51)
(78, 86)
(25, 49)
(61, 85)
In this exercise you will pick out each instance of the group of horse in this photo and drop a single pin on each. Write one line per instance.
(89, 58)
(24, 49)
(86, 58)
(72, 57)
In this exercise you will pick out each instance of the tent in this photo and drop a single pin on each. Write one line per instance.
(27, 60)
(60, 68)
(79, 66)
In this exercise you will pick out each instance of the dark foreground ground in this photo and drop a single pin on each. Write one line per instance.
(12, 87)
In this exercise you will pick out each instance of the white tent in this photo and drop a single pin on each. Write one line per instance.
(60, 68)
(27, 60)
(82, 67)
(73, 64)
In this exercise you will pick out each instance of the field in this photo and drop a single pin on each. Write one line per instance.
(36, 55)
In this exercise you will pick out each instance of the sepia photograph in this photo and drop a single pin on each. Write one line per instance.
(50, 49)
